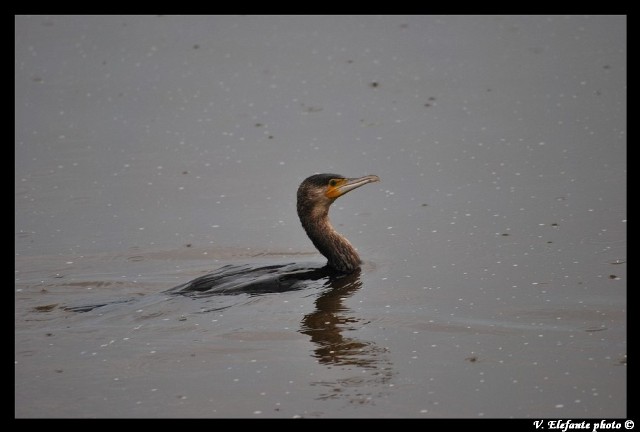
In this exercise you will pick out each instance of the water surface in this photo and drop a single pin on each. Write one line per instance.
(151, 150)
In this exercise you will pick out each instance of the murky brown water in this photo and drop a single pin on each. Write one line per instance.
(153, 150)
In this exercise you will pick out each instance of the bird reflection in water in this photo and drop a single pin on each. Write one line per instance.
(365, 368)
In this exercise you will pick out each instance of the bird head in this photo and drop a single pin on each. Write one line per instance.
(318, 192)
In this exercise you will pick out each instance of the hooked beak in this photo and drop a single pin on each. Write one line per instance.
(343, 186)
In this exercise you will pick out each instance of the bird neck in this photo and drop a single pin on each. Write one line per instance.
(341, 255)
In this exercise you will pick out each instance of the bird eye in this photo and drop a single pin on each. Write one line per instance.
(333, 182)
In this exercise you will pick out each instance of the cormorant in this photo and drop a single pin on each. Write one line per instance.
(315, 195)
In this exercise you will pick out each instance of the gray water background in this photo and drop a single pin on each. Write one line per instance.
(152, 149)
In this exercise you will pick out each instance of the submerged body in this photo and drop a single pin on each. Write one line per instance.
(315, 196)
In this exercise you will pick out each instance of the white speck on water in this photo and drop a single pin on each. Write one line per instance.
(559, 406)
